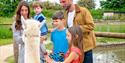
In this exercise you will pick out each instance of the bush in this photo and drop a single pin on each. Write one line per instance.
(7, 7)
(97, 14)
(5, 32)
(122, 18)
(48, 13)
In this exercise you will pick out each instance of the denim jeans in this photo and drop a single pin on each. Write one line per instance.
(88, 57)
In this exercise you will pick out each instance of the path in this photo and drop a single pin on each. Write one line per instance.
(5, 52)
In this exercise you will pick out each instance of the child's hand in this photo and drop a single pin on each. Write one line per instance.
(51, 30)
(43, 38)
(48, 59)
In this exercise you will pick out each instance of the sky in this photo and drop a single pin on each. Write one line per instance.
(96, 1)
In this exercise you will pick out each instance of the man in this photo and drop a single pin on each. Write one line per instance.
(76, 15)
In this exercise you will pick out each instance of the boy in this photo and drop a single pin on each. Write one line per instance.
(58, 37)
(44, 30)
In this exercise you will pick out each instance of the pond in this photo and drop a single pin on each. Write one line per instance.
(110, 54)
(107, 54)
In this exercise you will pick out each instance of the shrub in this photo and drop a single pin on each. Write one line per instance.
(7, 7)
(97, 14)
(48, 13)
(5, 32)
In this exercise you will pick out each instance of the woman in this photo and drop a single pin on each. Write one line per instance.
(23, 9)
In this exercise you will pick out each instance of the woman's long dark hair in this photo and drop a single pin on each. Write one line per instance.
(77, 38)
(18, 24)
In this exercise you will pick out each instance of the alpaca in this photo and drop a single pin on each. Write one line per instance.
(31, 38)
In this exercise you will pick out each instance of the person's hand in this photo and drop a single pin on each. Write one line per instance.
(43, 38)
(51, 30)
(48, 59)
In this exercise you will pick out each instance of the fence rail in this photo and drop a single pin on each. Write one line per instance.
(5, 24)
(110, 35)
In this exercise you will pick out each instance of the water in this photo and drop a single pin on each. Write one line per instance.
(108, 54)
(114, 54)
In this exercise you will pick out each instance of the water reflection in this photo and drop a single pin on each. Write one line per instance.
(115, 54)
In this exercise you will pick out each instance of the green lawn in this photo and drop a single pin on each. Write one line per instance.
(119, 28)
(6, 41)
(109, 40)
(6, 33)
(5, 20)
(10, 59)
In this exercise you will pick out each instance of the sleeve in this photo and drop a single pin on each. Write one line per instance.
(89, 23)
(76, 50)
(13, 27)
(41, 18)
(17, 35)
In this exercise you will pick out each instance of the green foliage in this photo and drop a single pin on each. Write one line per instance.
(48, 13)
(7, 7)
(54, 6)
(113, 4)
(87, 3)
(122, 18)
(5, 32)
(97, 14)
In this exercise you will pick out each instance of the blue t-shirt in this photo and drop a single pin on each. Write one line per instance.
(60, 43)
(59, 40)
(44, 29)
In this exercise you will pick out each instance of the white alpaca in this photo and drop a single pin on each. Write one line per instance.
(31, 38)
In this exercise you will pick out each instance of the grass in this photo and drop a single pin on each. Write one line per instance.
(6, 20)
(6, 41)
(49, 46)
(10, 59)
(6, 33)
(109, 40)
(119, 28)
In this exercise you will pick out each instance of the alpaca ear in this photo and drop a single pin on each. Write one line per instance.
(23, 21)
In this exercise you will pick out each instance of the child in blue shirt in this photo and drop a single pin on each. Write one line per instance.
(58, 37)
(44, 29)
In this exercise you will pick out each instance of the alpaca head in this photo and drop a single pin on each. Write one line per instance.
(31, 27)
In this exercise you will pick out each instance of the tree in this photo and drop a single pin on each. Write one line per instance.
(7, 7)
(90, 4)
(113, 4)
